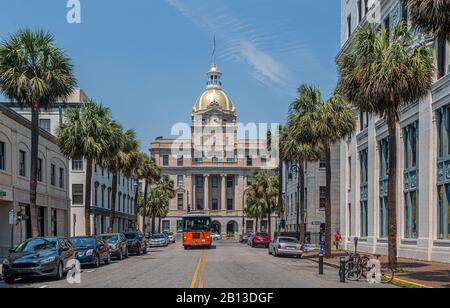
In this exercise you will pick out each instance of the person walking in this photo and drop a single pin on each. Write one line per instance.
(338, 238)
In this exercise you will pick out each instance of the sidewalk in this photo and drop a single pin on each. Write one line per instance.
(412, 273)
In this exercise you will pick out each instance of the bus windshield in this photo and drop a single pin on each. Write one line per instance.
(197, 224)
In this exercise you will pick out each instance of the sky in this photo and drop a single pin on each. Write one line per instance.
(147, 60)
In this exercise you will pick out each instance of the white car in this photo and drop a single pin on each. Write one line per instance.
(216, 236)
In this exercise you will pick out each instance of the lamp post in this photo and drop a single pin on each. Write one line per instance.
(295, 169)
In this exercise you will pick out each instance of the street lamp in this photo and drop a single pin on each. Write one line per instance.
(296, 170)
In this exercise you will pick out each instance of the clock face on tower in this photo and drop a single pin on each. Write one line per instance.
(214, 120)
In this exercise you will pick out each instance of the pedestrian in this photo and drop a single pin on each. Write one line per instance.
(338, 238)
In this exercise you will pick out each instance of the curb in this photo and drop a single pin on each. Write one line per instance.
(396, 282)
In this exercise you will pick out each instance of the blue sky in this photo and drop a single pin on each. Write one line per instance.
(146, 60)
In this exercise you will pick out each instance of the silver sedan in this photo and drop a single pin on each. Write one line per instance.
(285, 246)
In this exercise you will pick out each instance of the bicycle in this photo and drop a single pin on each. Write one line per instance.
(358, 266)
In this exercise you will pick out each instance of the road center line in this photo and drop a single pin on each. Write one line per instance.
(201, 283)
(194, 279)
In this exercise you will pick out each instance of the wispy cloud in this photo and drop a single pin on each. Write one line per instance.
(260, 50)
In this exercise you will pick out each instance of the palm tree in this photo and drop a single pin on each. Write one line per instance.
(166, 187)
(35, 73)
(299, 152)
(87, 132)
(120, 163)
(149, 172)
(163, 211)
(265, 187)
(380, 75)
(253, 208)
(323, 123)
(430, 16)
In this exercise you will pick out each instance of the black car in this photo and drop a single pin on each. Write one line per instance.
(39, 257)
(117, 243)
(91, 250)
(136, 242)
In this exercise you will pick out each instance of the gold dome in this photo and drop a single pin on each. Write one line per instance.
(214, 96)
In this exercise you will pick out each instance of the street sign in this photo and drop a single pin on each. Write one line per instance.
(11, 217)
(322, 249)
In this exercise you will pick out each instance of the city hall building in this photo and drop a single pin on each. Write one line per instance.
(212, 169)
(423, 162)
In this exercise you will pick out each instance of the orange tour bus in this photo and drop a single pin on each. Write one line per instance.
(197, 230)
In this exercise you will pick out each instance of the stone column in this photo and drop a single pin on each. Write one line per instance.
(223, 195)
(237, 194)
(206, 192)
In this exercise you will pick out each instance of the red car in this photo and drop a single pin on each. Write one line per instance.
(260, 239)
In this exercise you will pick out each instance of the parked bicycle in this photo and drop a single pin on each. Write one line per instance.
(359, 266)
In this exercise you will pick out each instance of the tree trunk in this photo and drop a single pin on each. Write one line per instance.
(328, 240)
(301, 197)
(112, 213)
(87, 197)
(392, 189)
(34, 167)
(145, 206)
(136, 215)
(153, 223)
(256, 225)
(269, 218)
(159, 224)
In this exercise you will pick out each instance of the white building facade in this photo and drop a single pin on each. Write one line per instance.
(53, 201)
(423, 160)
(49, 120)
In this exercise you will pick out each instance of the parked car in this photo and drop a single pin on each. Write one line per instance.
(171, 237)
(260, 239)
(136, 242)
(39, 257)
(117, 243)
(91, 250)
(285, 246)
(243, 238)
(158, 240)
(216, 236)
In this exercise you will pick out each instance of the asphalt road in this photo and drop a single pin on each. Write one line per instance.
(228, 265)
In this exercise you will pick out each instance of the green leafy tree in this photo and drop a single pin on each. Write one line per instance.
(254, 209)
(35, 73)
(88, 132)
(381, 75)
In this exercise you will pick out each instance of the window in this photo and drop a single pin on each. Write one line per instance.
(360, 13)
(22, 163)
(215, 182)
(2, 156)
(411, 215)
(77, 164)
(45, 124)
(200, 181)
(322, 197)
(53, 174)
(384, 158)
(200, 205)
(230, 205)
(349, 173)
(349, 26)
(215, 160)
(387, 26)
(230, 182)
(180, 180)
(95, 168)
(103, 196)
(364, 219)
(215, 204)
(383, 217)
(443, 211)
(180, 161)
(109, 198)
(410, 140)
(165, 160)
(322, 164)
(404, 13)
(61, 178)
(363, 156)
(77, 194)
(39, 170)
(96, 194)
(441, 57)
(350, 219)
(263, 161)
(180, 202)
